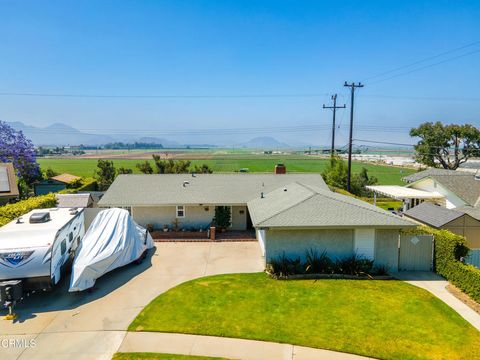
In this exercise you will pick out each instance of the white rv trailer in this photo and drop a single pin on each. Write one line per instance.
(37, 247)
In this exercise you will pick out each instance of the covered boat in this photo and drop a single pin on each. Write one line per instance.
(113, 240)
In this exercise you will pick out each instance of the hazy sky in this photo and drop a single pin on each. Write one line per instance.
(234, 48)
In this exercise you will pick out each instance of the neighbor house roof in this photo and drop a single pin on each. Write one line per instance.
(74, 200)
(8, 182)
(433, 215)
(299, 205)
(66, 178)
(185, 189)
(463, 184)
(402, 192)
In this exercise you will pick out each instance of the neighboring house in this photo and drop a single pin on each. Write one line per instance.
(54, 184)
(452, 190)
(84, 200)
(439, 217)
(290, 212)
(8, 183)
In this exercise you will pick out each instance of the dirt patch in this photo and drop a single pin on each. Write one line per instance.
(460, 295)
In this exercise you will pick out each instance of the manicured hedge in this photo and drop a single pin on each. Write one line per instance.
(449, 248)
(10, 212)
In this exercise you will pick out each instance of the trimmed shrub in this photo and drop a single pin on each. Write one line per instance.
(84, 184)
(449, 249)
(10, 212)
(319, 263)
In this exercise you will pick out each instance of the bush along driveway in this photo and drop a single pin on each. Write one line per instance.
(382, 319)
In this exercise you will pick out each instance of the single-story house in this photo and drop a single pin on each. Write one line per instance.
(54, 184)
(290, 212)
(84, 200)
(457, 221)
(8, 183)
(299, 217)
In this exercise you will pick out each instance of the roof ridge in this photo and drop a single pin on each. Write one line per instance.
(370, 207)
(292, 206)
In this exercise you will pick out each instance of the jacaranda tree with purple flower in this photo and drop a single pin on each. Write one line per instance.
(17, 149)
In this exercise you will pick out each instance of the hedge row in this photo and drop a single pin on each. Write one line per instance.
(84, 184)
(449, 248)
(10, 212)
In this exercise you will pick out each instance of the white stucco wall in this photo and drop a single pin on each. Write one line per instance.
(195, 216)
(451, 200)
(239, 217)
(337, 244)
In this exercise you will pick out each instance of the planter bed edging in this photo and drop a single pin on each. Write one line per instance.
(330, 276)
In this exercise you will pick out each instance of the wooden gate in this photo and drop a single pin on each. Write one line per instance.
(416, 253)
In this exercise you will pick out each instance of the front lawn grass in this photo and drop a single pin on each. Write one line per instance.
(157, 356)
(382, 319)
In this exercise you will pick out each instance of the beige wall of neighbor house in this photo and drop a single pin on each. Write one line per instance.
(468, 227)
(451, 200)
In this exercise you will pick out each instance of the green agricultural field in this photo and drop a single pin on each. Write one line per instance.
(385, 174)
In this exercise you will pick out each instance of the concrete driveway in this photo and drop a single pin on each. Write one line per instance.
(61, 325)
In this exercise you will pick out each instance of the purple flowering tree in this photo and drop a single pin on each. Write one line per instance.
(17, 149)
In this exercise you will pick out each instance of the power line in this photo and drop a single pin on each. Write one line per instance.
(146, 96)
(426, 66)
(423, 60)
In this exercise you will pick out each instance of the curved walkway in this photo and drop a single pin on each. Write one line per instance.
(224, 347)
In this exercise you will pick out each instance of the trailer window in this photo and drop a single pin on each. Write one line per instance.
(63, 247)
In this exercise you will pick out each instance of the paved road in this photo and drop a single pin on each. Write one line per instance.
(225, 347)
(92, 325)
(437, 286)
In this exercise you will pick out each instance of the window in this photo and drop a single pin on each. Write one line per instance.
(70, 237)
(63, 247)
(180, 211)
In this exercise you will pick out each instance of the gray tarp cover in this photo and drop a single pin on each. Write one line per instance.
(112, 240)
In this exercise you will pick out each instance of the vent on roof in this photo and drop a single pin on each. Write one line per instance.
(185, 183)
(477, 176)
(4, 184)
(40, 217)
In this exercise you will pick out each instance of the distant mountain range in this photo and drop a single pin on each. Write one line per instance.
(264, 142)
(59, 134)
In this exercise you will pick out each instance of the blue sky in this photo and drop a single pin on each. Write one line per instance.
(238, 48)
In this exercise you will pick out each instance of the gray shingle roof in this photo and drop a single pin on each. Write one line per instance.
(433, 215)
(221, 189)
(307, 206)
(461, 183)
(74, 200)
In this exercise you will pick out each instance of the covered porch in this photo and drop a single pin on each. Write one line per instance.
(410, 197)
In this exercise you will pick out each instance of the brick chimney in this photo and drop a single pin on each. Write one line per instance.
(280, 169)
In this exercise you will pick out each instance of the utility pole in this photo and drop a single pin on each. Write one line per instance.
(334, 108)
(352, 86)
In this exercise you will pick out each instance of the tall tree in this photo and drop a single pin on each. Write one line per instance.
(446, 146)
(17, 149)
(105, 173)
